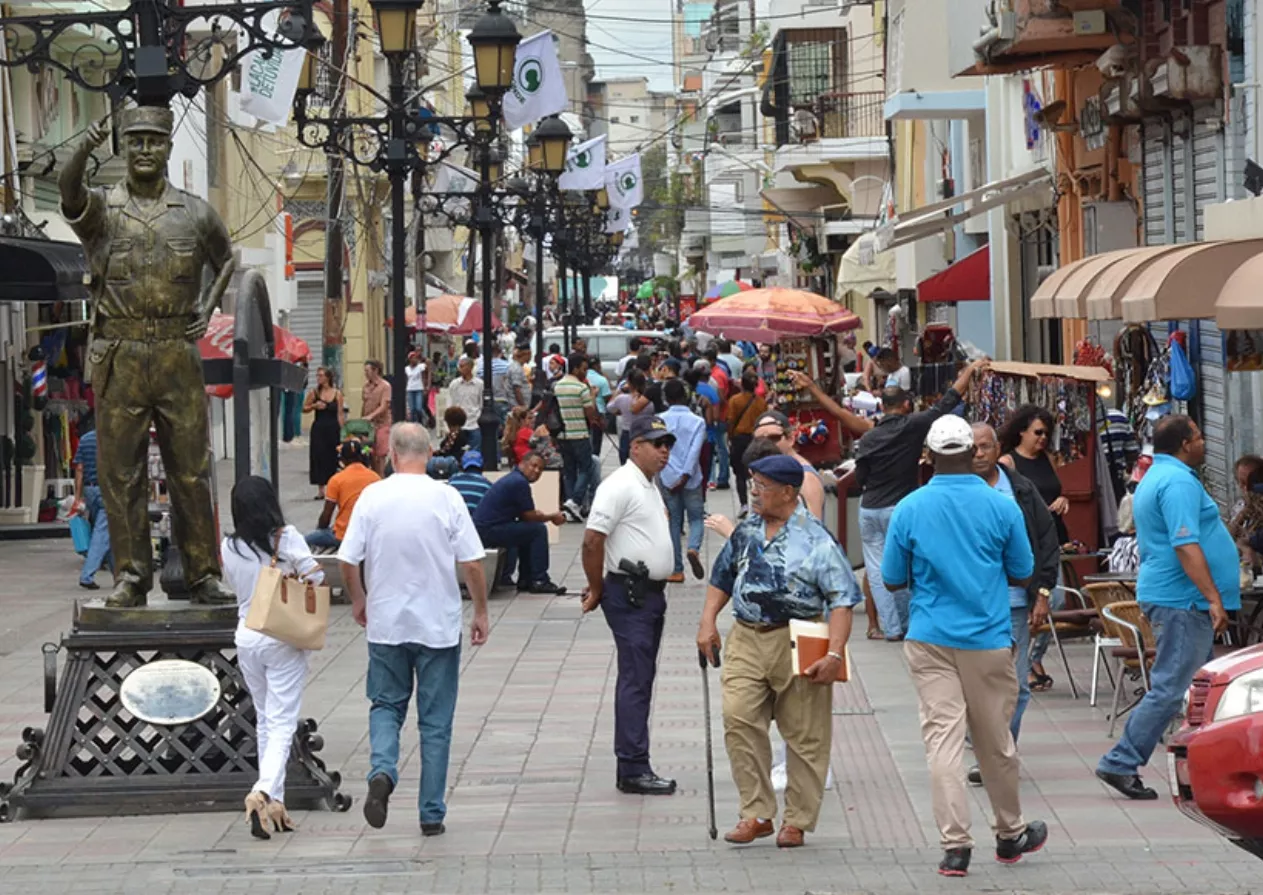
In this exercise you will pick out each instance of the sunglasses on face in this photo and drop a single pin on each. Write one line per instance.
(1040, 433)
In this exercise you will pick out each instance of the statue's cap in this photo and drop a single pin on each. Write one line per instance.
(148, 119)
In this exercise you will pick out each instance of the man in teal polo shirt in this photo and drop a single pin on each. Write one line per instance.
(958, 544)
(1188, 582)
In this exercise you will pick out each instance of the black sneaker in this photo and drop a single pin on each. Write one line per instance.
(434, 829)
(975, 776)
(375, 804)
(695, 563)
(1010, 851)
(544, 586)
(955, 862)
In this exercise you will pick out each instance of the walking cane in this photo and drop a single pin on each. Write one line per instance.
(710, 758)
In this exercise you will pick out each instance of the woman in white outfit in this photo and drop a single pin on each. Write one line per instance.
(274, 671)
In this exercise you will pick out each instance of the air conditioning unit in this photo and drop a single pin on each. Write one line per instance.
(1189, 74)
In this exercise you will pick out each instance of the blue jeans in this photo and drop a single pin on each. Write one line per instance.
(719, 457)
(99, 547)
(1185, 643)
(1056, 603)
(624, 446)
(391, 671)
(475, 440)
(892, 606)
(416, 405)
(576, 468)
(685, 502)
(528, 543)
(322, 537)
(1022, 659)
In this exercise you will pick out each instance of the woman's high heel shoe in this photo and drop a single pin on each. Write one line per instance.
(258, 806)
(281, 821)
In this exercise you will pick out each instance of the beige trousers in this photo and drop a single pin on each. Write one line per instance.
(759, 685)
(977, 690)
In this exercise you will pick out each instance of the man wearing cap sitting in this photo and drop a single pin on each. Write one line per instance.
(470, 482)
(626, 562)
(780, 564)
(147, 245)
(958, 544)
(506, 517)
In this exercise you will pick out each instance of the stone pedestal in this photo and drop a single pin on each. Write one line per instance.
(95, 757)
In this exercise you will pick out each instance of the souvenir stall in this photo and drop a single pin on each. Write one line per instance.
(1070, 395)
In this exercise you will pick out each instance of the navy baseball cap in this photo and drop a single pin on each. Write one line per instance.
(651, 429)
(780, 468)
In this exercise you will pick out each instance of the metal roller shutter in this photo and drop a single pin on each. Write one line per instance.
(307, 319)
(1155, 184)
(1217, 473)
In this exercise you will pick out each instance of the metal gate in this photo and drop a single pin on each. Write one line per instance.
(307, 319)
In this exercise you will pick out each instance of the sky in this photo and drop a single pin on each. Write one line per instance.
(622, 31)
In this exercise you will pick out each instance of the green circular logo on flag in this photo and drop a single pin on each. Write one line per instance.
(529, 76)
(583, 159)
(627, 182)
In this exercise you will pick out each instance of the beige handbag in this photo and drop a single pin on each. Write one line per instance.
(290, 609)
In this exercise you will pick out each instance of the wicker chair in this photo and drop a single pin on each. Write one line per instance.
(1100, 596)
(1072, 623)
(1125, 621)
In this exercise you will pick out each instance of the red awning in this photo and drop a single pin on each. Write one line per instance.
(968, 279)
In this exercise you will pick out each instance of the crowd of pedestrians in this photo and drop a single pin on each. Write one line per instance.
(960, 590)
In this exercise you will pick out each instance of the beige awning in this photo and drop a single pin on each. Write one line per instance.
(864, 270)
(1184, 284)
(1070, 290)
(1103, 299)
(1240, 302)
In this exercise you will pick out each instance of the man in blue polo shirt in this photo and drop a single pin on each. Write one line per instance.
(1188, 581)
(958, 544)
(506, 517)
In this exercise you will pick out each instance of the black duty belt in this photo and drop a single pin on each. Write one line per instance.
(654, 584)
(144, 329)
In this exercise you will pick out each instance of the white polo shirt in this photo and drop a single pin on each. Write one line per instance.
(629, 511)
(410, 531)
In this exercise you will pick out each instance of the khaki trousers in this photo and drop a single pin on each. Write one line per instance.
(974, 689)
(759, 685)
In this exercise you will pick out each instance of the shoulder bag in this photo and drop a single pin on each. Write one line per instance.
(287, 608)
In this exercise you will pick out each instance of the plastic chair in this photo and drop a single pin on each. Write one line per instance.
(1068, 624)
(1102, 595)
(1135, 656)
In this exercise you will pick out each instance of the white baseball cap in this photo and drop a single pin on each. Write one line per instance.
(950, 434)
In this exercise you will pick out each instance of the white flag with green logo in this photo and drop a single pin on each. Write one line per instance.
(617, 219)
(538, 89)
(623, 182)
(585, 166)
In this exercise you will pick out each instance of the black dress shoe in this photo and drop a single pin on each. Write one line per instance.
(89, 585)
(434, 829)
(544, 586)
(1129, 785)
(377, 801)
(649, 784)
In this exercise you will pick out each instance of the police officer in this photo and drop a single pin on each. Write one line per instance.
(627, 558)
(147, 244)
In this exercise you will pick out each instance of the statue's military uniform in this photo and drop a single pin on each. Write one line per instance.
(147, 259)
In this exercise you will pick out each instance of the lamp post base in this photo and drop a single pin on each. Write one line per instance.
(489, 427)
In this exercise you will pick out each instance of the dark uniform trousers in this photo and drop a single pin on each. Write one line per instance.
(637, 636)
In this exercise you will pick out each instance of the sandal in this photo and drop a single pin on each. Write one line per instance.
(874, 633)
(1040, 683)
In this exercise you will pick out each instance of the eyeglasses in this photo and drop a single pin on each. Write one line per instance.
(756, 485)
(1040, 433)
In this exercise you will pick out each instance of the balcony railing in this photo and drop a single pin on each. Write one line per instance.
(839, 115)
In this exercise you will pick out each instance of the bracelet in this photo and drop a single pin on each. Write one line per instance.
(837, 656)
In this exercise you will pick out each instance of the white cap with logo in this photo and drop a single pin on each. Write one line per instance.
(950, 434)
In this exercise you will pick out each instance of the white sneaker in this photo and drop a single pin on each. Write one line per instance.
(572, 511)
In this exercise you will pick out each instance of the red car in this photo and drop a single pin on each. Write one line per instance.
(1215, 761)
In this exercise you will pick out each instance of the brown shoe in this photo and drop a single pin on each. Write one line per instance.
(676, 578)
(748, 830)
(789, 837)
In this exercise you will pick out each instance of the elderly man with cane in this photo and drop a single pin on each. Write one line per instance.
(780, 564)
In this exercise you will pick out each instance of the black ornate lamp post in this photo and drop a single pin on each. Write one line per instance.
(547, 149)
(390, 142)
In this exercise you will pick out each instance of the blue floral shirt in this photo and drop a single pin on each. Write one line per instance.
(800, 573)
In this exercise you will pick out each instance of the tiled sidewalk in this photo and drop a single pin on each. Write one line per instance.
(533, 806)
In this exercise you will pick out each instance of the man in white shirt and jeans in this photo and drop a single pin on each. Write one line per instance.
(411, 532)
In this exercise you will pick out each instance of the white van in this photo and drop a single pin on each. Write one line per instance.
(609, 343)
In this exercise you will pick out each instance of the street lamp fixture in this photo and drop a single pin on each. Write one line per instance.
(494, 39)
(602, 199)
(534, 152)
(307, 77)
(616, 239)
(479, 109)
(396, 25)
(553, 139)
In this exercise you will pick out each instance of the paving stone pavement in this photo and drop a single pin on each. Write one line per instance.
(532, 806)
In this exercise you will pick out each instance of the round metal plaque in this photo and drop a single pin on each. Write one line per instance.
(170, 691)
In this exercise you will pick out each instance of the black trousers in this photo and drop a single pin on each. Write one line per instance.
(737, 445)
(637, 637)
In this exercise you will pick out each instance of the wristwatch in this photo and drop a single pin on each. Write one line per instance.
(1044, 592)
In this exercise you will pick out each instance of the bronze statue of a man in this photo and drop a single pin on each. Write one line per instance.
(147, 244)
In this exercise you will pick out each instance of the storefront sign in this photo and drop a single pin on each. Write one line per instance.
(688, 306)
(170, 691)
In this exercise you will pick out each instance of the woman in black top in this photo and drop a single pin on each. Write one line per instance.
(1024, 442)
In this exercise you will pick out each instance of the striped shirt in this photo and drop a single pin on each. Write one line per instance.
(85, 456)
(473, 486)
(572, 397)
